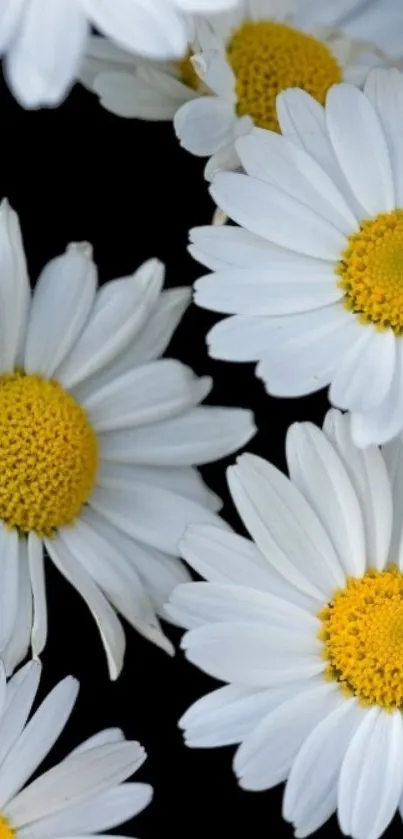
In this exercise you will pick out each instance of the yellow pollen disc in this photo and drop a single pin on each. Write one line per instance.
(187, 75)
(48, 455)
(362, 633)
(6, 832)
(371, 272)
(267, 58)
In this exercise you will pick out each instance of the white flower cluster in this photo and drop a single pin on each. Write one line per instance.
(297, 106)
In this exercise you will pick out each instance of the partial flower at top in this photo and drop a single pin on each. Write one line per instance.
(44, 40)
(305, 624)
(234, 66)
(314, 276)
(259, 50)
(84, 794)
(98, 443)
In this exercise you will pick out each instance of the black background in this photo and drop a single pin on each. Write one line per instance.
(78, 173)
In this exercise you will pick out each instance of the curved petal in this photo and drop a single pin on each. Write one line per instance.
(369, 477)
(267, 753)
(44, 57)
(14, 288)
(371, 777)
(145, 27)
(150, 393)
(285, 527)
(365, 374)
(318, 472)
(205, 125)
(121, 308)
(62, 301)
(110, 629)
(361, 149)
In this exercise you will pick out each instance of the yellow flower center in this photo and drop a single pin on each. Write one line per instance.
(6, 832)
(48, 455)
(267, 58)
(371, 272)
(362, 633)
(187, 75)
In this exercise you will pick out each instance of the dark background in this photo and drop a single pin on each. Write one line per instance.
(79, 173)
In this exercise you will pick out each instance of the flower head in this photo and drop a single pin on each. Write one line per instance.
(99, 438)
(313, 277)
(248, 57)
(305, 624)
(82, 795)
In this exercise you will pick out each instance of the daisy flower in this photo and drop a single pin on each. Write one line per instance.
(44, 41)
(82, 795)
(305, 624)
(314, 276)
(252, 54)
(98, 443)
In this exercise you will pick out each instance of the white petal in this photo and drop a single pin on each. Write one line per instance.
(185, 481)
(101, 812)
(269, 212)
(281, 290)
(37, 577)
(110, 629)
(371, 776)
(146, 93)
(151, 393)
(267, 753)
(393, 459)
(121, 308)
(361, 149)
(369, 477)
(20, 696)
(226, 246)
(10, 18)
(159, 572)
(147, 27)
(62, 301)
(302, 121)
(315, 771)
(364, 376)
(44, 56)
(194, 604)
(37, 738)
(205, 125)
(252, 653)
(304, 350)
(272, 158)
(285, 527)
(228, 715)
(9, 569)
(20, 638)
(102, 738)
(201, 435)
(318, 472)
(224, 557)
(88, 773)
(384, 89)
(14, 286)
(151, 514)
(114, 575)
(386, 421)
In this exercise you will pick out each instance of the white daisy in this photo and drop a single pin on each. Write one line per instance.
(44, 40)
(305, 624)
(254, 53)
(314, 276)
(82, 795)
(98, 443)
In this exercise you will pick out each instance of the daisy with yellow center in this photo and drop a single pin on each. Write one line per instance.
(257, 51)
(305, 624)
(99, 439)
(235, 65)
(313, 277)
